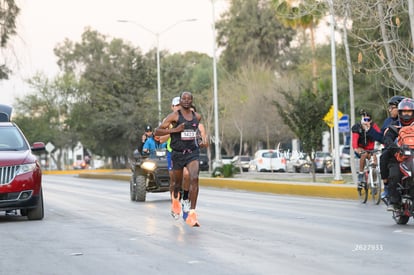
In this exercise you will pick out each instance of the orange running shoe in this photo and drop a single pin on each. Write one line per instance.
(192, 219)
(176, 207)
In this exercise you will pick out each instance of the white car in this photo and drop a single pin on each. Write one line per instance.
(323, 162)
(243, 162)
(345, 158)
(269, 160)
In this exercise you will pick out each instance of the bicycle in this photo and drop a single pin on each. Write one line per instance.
(372, 180)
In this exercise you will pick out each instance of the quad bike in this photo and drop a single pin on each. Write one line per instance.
(149, 174)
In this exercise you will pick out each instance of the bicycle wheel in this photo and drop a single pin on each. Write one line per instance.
(362, 192)
(376, 187)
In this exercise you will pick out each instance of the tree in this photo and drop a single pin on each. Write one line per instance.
(249, 32)
(246, 112)
(382, 33)
(112, 103)
(116, 90)
(8, 14)
(305, 15)
(43, 114)
(304, 116)
(185, 71)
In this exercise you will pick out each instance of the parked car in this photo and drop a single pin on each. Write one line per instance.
(79, 164)
(204, 162)
(269, 160)
(300, 164)
(220, 163)
(289, 165)
(345, 158)
(323, 162)
(243, 162)
(226, 160)
(20, 171)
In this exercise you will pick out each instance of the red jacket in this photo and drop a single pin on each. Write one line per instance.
(361, 139)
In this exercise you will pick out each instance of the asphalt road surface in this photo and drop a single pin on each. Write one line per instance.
(92, 227)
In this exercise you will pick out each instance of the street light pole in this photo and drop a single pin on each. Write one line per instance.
(157, 37)
(158, 78)
(216, 121)
(337, 174)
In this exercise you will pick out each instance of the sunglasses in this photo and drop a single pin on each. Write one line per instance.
(367, 119)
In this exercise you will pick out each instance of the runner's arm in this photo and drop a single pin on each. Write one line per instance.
(164, 128)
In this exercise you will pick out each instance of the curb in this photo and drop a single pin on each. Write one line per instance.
(291, 188)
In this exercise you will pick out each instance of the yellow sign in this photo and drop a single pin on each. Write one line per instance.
(329, 117)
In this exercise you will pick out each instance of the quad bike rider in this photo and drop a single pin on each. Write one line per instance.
(149, 171)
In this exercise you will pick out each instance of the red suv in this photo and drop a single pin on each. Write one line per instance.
(20, 171)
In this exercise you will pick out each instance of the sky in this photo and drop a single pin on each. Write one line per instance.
(43, 24)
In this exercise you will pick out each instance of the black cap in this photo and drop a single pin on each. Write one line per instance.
(148, 128)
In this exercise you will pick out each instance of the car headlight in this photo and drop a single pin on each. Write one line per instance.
(149, 166)
(26, 168)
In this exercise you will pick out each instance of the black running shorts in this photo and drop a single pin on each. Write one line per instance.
(181, 159)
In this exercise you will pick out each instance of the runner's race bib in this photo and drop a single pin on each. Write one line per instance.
(188, 134)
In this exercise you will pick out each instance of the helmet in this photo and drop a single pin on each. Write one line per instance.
(362, 112)
(407, 104)
(148, 128)
(395, 100)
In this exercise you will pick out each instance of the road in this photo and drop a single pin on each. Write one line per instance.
(91, 227)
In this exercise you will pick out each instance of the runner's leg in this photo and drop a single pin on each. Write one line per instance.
(193, 170)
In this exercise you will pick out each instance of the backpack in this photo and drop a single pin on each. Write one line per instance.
(406, 136)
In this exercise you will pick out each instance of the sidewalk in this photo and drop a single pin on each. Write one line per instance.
(273, 183)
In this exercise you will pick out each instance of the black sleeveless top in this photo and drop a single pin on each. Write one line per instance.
(185, 140)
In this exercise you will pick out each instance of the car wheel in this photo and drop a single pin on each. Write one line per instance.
(141, 191)
(37, 213)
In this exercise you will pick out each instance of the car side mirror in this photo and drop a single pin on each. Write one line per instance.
(38, 146)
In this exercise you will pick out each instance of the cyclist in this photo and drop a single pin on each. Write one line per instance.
(405, 118)
(362, 142)
(379, 136)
